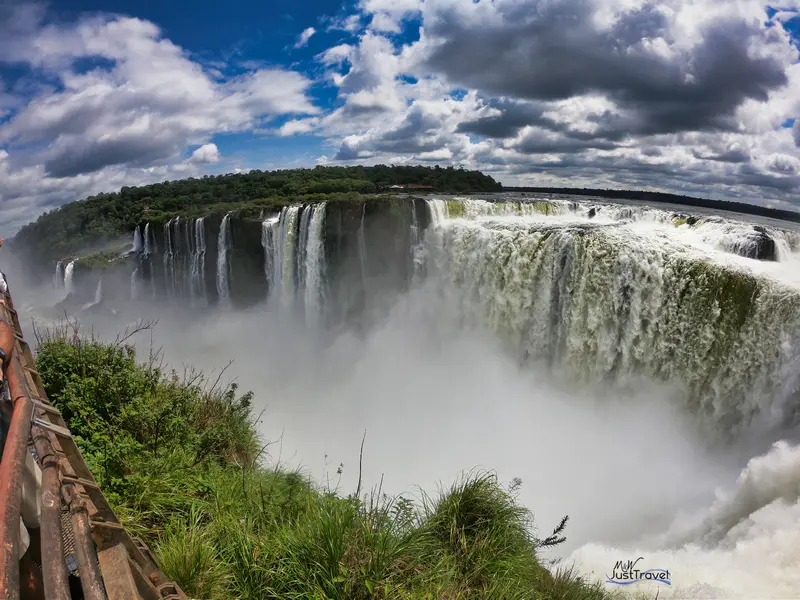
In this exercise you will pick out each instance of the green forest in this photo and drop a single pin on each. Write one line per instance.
(67, 230)
(181, 461)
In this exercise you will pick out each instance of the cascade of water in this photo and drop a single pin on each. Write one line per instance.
(223, 265)
(362, 246)
(168, 253)
(314, 278)
(137, 240)
(302, 244)
(613, 303)
(198, 262)
(148, 246)
(68, 277)
(285, 255)
(269, 233)
(58, 278)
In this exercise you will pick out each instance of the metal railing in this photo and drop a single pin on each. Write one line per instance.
(110, 564)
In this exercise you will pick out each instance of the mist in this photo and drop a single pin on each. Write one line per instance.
(437, 398)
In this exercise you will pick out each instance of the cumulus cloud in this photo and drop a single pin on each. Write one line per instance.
(205, 154)
(303, 38)
(675, 95)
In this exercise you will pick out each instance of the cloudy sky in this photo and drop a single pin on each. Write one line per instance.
(693, 96)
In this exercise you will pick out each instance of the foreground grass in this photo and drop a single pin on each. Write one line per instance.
(180, 460)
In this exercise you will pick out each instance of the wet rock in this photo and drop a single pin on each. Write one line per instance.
(763, 246)
(692, 221)
(592, 213)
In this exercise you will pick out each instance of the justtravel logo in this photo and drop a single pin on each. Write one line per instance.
(626, 573)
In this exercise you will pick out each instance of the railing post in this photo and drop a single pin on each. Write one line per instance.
(11, 467)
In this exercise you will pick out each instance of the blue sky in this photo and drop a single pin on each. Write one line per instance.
(698, 97)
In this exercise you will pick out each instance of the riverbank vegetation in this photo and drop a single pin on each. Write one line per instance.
(73, 227)
(180, 459)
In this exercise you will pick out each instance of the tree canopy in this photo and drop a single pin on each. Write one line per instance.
(91, 222)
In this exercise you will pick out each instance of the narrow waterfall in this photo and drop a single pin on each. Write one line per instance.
(285, 255)
(68, 288)
(269, 233)
(223, 263)
(148, 245)
(168, 256)
(197, 283)
(362, 246)
(58, 277)
(314, 264)
(137, 240)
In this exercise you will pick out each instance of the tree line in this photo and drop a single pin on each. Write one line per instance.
(98, 219)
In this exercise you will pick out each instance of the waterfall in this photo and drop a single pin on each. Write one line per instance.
(615, 302)
(135, 284)
(68, 277)
(314, 263)
(223, 264)
(148, 245)
(197, 283)
(285, 256)
(269, 233)
(168, 254)
(362, 246)
(58, 278)
(137, 240)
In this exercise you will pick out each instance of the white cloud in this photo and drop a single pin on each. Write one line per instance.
(205, 154)
(138, 109)
(387, 15)
(303, 38)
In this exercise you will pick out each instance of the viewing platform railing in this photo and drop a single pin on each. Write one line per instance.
(59, 537)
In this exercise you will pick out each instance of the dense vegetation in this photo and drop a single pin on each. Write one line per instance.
(181, 462)
(94, 221)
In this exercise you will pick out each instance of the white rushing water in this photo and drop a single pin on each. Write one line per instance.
(148, 243)
(137, 240)
(629, 296)
(58, 277)
(169, 257)
(68, 288)
(294, 258)
(197, 269)
(223, 263)
(314, 272)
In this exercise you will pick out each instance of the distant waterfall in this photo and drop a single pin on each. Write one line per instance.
(68, 277)
(362, 246)
(314, 262)
(58, 278)
(223, 263)
(148, 245)
(197, 268)
(269, 229)
(137, 240)
(169, 253)
(294, 258)
(135, 285)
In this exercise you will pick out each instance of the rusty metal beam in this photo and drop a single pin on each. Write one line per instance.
(11, 467)
(54, 569)
(85, 552)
